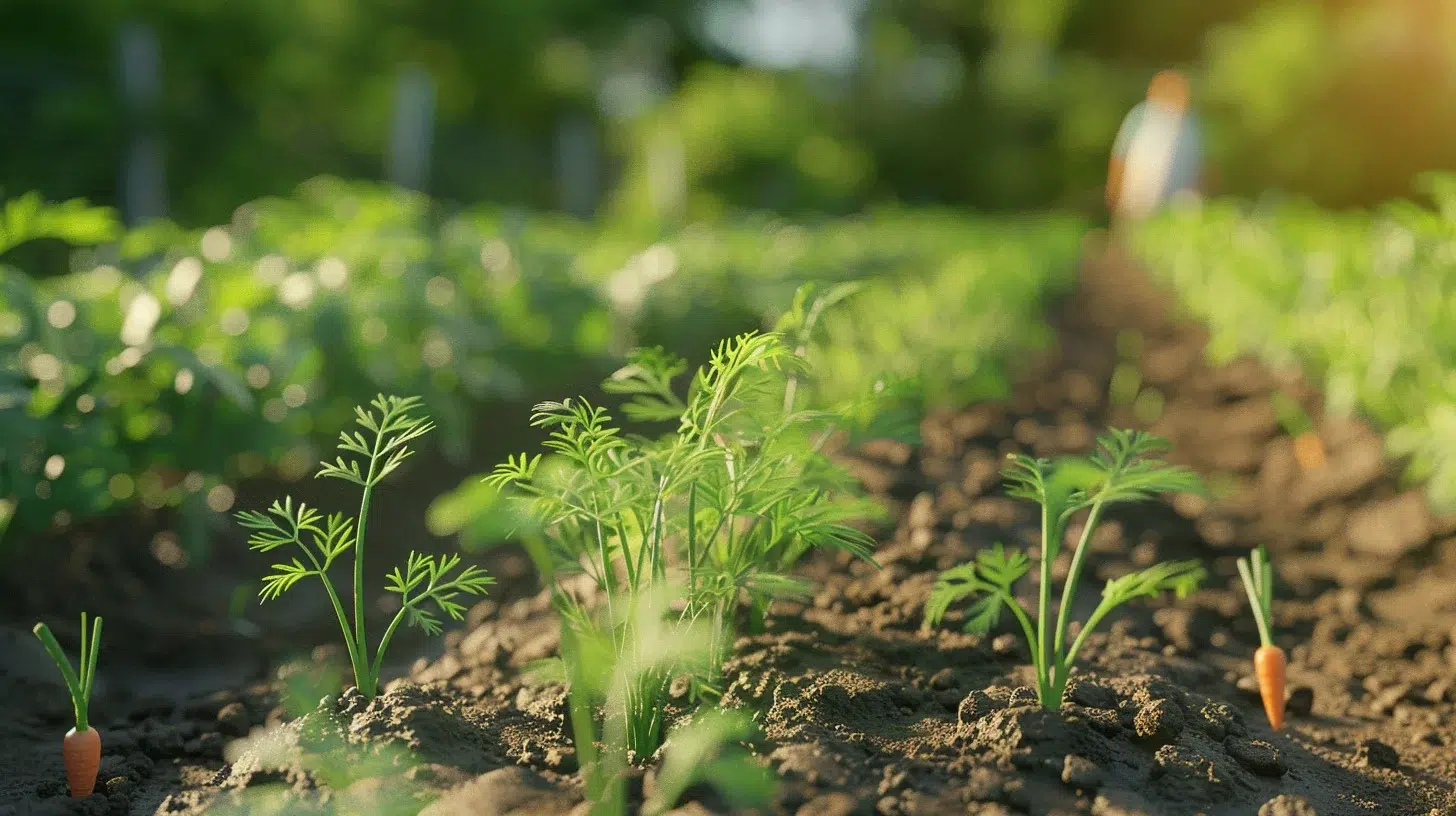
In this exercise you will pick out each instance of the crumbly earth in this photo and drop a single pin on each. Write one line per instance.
(864, 712)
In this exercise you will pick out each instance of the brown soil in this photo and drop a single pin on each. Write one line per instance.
(863, 712)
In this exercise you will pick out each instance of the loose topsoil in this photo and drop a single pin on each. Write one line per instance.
(863, 712)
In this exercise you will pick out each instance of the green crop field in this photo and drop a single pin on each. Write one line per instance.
(166, 364)
(1361, 302)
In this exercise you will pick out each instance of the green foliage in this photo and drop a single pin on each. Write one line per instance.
(1124, 468)
(78, 684)
(724, 505)
(425, 579)
(248, 340)
(1259, 586)
(943, 337)
(997, 105)
(1360, 303)
(207, 366)
(1323, 98)
(617, 660)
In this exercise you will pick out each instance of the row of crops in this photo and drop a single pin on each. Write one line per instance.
(1361, 302)
(159, 367)
(163, 366)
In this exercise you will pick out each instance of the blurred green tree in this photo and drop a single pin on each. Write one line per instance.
(719, 104)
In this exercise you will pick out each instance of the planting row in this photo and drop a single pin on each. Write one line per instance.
(1361, 303)
(659, 550)
(166, 365)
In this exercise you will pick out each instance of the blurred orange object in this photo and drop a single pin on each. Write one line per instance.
(1309, 451)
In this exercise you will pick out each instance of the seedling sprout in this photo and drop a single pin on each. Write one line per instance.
(1269, 659)
(425, 578)
(1121, 470)
(81, 748)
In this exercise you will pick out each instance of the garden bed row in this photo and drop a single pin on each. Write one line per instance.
(862, 711)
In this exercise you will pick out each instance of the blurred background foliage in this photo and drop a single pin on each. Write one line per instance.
(162, 366)
(605, 173)
(997, 104)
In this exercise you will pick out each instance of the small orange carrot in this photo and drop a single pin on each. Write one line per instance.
(1309, 451)
(1269, 671)
(81, 751)
(81, 748)
(1269, 662)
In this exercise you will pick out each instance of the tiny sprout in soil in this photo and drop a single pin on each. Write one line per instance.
(81, 748)
(390, 426)
(1269, 661)
(1123, 469)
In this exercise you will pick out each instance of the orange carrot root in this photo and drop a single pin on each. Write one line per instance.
(1309, 451)
(81, 751)
(1269, 671)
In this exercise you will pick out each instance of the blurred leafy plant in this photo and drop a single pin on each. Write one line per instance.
(222, 354)
(1124, 468)
(425, 580)
(614, 661)
(1359, 302)
(204, 367)
(728, 502)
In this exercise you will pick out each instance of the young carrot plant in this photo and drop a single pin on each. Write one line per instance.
(1269, 659)
(425, 579)
(1122, 469)
(81, 748)
(600, 670)
(722, 504)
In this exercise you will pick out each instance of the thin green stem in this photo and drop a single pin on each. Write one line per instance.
(361, 643)
(609, 575)
(378, 665)
(692, 542)
(1256, 602)
(1042, 686)
(359, 662)
(73, 683)
(659, 524)
(1064, 665)
(88, 679)
(81, 658)
(1074, 573)
(1266, 588)
(1049, 536)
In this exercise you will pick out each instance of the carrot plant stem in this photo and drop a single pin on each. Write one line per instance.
(1074, 572)
(378, 664)
(360, 657)
(1256, 601)
(68, 674)
(88, 678)
(357, 661)
(1043, 687)
(1065, 662)
(1050, 536)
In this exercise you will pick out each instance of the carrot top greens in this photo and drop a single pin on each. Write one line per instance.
(78, 685)
(1259, 585)
(1122, 469)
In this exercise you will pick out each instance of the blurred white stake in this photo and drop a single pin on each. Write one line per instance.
(413, 131)
(578, 162)
(143, 183)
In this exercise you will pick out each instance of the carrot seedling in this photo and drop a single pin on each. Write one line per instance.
(81, 747)
(1123, 469)
(1269, 660)
(425, 578)
(731, 499)
(1309, 449)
